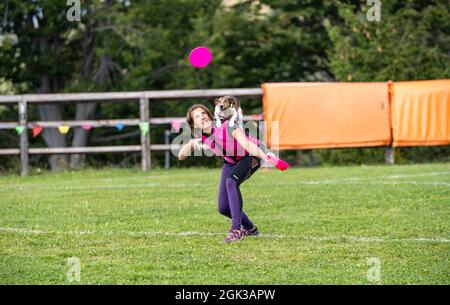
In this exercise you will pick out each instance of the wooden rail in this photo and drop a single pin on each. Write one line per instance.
(133, 95)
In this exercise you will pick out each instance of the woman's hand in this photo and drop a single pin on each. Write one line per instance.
(278, 163)
(197, 144)
(186, 150)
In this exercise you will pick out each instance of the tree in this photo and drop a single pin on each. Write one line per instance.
(46, 57)
(411, 42)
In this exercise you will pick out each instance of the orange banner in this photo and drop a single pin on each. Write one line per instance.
(421, 113)
(321, 115)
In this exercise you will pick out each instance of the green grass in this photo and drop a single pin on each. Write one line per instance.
(319, 226)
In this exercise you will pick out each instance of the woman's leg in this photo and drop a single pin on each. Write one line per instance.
(223, 205)
(238, 174)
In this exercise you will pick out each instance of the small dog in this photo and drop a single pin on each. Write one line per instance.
(228, 108)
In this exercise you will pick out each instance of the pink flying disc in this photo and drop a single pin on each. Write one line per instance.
(200, 57)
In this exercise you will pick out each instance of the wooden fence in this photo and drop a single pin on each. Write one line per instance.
(144, 98)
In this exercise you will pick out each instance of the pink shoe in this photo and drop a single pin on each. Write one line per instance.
(234, 235)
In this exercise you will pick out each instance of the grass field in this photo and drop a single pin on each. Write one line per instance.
(319, 225)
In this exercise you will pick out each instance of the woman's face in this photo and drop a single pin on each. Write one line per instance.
(201, 119)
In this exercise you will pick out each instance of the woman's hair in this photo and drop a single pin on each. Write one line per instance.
(190, 119)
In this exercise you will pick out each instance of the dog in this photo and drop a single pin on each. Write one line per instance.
(228, 108)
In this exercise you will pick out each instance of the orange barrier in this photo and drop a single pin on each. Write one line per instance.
(321, 115)
(421, 113)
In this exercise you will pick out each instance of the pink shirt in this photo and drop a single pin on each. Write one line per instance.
(222, 143)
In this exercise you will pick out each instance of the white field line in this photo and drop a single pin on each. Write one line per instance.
(208, 234)
(399, 176)
(353, 181)
(346, 181)
(362, 182)
(100, 187)
(436, 183)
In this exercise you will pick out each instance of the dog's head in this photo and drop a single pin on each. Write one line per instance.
(227, 101)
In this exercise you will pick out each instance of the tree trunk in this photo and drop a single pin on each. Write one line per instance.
(52, 136)
(84, 111)
(51, 112)
(80, 136)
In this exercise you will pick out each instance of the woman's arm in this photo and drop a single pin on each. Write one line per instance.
(249, 146)
(187, 149)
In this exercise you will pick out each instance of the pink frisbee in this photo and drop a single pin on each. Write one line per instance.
(280, 164)
(200, 57)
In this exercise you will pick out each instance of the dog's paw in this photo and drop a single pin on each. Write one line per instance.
(231, 123)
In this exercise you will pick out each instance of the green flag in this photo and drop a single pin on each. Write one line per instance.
(20, 129)
(144, 127)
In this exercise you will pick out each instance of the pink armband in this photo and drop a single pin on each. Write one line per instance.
(278, 163)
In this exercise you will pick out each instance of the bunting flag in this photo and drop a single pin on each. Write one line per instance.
(120, 126)
(258, 117)
(176, 125)
(86, 126)
(63, 129)
(20, 129)
(37, 129)
(144, 127)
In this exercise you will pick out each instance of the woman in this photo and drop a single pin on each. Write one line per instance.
(236, 167)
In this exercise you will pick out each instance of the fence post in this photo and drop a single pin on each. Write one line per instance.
(23, 138)
(389, 156)
(145, 139)
(167, 153)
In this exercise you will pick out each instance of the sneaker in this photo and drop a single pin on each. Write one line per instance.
(234, 235)
(252, 232)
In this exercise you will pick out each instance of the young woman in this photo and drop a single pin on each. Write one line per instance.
(237, 167)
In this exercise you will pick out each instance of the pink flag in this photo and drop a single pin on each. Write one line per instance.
(176, 124)
(37, 130)
(86, 126)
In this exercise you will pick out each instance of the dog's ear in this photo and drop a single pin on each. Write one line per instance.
(236, 103)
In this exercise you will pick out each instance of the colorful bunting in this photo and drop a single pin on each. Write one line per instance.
(20, 129)
(176, 125)
(37, 129)
(63, 129)
(144, 127)
(120, 126)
